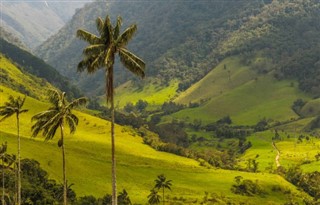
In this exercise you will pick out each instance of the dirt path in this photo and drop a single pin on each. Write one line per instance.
(278, 154)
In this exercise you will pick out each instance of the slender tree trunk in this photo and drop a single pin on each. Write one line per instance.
(163, 195)
(64, 168)
(113, 159)
(19, 164)
(3, 180)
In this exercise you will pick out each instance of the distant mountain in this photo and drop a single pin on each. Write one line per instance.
(34, 21)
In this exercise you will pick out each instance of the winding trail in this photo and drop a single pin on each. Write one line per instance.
(278, 154)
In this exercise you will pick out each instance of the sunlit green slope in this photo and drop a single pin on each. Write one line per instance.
(88, 161)
(153, 93)
(236, 90)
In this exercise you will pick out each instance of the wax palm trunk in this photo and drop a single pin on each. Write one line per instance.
(101, 54)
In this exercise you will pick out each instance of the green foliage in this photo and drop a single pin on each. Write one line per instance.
(246, 187)
(309, 182)
(298, 105)
(37, 67)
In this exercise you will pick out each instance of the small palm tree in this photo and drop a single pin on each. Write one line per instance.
(11, 107)
(154, 197)
(57, 117)
(100, 53)
(123, 198)
(162, 183)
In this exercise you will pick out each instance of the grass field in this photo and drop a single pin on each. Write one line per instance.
(153, 93)
(292, 150)
(89, 157)
(252, 98)
(88, 162)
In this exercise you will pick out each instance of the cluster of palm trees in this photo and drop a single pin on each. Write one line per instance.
(99, 54)
(47, 122)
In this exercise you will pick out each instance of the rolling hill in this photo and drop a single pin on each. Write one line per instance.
(88, 157)
(236, 90)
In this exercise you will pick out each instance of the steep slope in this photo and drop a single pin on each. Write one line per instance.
(34, 21)
(13, 77)
(36, 66)
(176, 46)
(191, 37)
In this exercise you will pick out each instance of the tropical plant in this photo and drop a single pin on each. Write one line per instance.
(162, 183)
(11, 107)
(100, 53)
(57, 117)
(154, 197)
(123, 198)
(3, 151)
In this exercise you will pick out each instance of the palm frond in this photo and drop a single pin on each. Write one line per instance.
(100, 25)
(93, 50)
(116, 31)
(54, 97)
(108, 30)
(109, 59)
(85, 64)
(89, 37)
(72, 122)
(126, 36)
(98, 62)
(77, 102)
(132, 62)
(6, 112)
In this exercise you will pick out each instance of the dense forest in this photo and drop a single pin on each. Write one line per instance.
(191, 37)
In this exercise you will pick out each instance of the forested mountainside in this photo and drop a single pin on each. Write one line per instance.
(11, 38)
(34, 21)
(176, 45)
(190, 37)
(33, 65)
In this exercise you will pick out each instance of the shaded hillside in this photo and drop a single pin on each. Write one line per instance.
(173, 37)
(34, 21)
(189, 38)
(37, 67)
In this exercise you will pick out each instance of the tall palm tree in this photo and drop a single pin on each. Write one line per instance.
(100, 53)
(154, 197)
(57, 117)
(162, 183)
(11, 107)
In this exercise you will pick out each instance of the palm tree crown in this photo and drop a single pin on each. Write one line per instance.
(102, 50)
(13, 106)
(56, 116)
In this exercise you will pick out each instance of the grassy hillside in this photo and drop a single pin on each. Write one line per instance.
(15, 78)
(153, 93)
(33, 65)
(236, 90)
(293, 150)
(88, 160)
